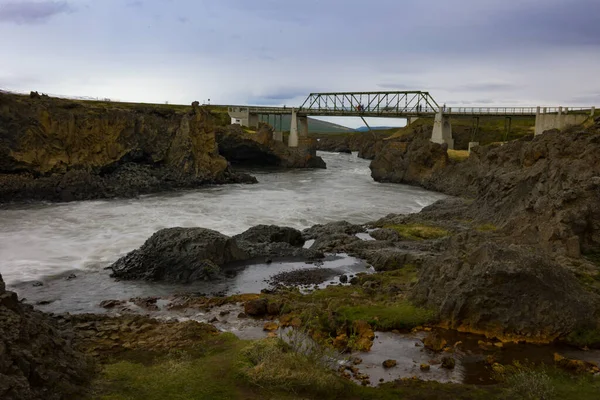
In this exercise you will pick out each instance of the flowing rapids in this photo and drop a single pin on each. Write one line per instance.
(41, 240)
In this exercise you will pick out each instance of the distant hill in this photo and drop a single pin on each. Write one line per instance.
(376, 128)
(314, 125)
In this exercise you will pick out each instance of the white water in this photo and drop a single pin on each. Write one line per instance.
(48, 239)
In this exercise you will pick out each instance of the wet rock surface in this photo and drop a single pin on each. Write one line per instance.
(179, 255)
(307, 276)
(37, 359)
(191, 254)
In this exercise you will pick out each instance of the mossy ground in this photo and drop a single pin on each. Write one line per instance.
(419, 231)
(270, 369)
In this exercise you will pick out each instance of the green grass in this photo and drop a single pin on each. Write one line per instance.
(545, 382)
(418, 231)
(270, 363)
(179, 375)
(402, 316)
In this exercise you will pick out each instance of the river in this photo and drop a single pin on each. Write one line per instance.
(48, 239)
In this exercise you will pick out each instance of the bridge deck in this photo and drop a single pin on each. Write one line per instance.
(408, 112)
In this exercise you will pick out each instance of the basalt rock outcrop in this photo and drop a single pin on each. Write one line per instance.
(190, 254)
(62, 150)
(367, 144)
(37, 360)
(543, 190)
(260, 149)
(519, 263)
(483, 284)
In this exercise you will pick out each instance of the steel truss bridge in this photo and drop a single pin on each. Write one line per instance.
(401, 104)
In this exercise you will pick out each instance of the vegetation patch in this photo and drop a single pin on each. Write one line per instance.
(546, 382)
(272, 364)
(458, 155)
(583, 337)
(419, 232)
(401, 316)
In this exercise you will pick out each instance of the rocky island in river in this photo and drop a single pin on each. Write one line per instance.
(483, 294)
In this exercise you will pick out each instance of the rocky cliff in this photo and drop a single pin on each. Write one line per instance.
(526, 266)
(37, 360)
(260, 149)
(55, 149)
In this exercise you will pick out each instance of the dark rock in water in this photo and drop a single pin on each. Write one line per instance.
(389, 363)
(434, 341)
(36, 357)
(242, 315)
(344, 279)
(71, 276)
(271, 234)
(273, 241)
(256, 308)
(448, 362)
(111, 303)
(307, 276)
(37, 284)
(179, 255)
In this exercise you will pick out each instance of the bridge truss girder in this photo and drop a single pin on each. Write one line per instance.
(380, 103)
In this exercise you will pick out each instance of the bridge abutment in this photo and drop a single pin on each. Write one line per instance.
(442, 130)
(560, 120)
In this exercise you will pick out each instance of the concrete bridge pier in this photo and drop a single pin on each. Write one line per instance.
(442, 130)
(293, 139)
(303, 128)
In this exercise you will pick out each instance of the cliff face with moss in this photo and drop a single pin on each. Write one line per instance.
(56, 149)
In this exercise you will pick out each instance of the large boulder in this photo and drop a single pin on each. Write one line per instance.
(271, 241)
(179, 255)
(271, 234)
(36, 357)
(504, 290)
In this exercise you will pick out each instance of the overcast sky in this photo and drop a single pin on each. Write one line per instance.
(464, 52)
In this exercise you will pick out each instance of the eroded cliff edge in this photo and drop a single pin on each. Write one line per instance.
(61, 150)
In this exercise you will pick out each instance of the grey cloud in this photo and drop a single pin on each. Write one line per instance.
(31, 12)
(485, 87)
(135, 4)
(587, 99)
(397, 86)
